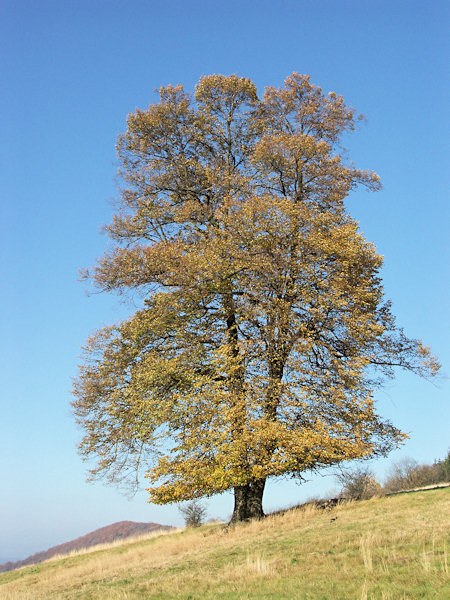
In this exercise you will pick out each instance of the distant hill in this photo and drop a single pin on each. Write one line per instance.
(104, 535)
(4, 559)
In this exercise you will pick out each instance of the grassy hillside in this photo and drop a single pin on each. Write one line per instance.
(385, 548)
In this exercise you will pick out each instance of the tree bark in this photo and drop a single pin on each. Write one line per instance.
(248, 501)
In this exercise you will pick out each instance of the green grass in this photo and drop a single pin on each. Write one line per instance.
(385, 548)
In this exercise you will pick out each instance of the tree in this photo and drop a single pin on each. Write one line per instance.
(263, 331)
(193, 512)
(443, 468)
(402, 475)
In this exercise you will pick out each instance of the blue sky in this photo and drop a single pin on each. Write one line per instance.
(71, 71)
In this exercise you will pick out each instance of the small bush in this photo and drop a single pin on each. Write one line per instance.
(193, 512)
(358, 484)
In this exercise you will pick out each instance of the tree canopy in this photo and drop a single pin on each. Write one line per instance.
(263, 330)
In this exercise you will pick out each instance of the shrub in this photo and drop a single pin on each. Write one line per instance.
(193, 512)
(358, 484)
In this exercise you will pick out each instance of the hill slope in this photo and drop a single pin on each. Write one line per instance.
(385, 548)
(104, 535)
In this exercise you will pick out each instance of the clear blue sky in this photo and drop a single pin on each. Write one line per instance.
(70, 72)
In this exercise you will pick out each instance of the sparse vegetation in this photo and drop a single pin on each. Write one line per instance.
(387, 548)
(360, 483)
(408, 474)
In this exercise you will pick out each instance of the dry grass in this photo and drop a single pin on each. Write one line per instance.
(384, 548)
(366, 543)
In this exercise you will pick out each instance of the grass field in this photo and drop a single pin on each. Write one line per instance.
(384, 548)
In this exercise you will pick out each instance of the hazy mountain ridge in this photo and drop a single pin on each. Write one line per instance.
(104, 535)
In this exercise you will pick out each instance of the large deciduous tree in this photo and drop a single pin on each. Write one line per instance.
(263, 330)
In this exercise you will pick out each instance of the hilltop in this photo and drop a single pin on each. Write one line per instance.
(385, 548)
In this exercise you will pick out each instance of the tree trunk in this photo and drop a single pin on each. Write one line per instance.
(248, 501)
